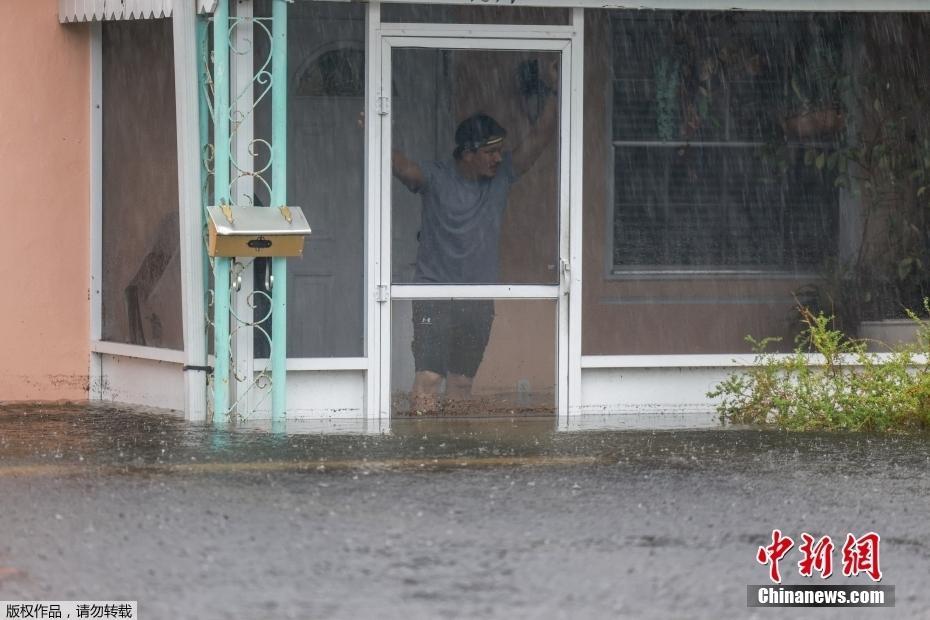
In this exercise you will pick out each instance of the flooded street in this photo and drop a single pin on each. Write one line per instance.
(441, 518)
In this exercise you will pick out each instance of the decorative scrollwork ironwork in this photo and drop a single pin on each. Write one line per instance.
(262, 380)
(255, 169)
(244, 105)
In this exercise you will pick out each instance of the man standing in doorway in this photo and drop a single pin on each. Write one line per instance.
(463, 200)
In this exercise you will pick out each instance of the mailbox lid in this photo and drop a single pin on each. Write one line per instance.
(258, 221)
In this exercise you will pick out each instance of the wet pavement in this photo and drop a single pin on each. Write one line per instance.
(496, 518)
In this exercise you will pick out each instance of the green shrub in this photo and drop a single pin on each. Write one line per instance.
(842, 387)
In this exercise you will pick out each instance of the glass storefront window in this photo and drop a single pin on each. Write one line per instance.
(745, 162)
(141, 287)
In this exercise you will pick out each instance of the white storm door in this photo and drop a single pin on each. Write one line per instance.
(431, 77)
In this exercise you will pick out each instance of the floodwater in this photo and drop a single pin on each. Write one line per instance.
(441, 518)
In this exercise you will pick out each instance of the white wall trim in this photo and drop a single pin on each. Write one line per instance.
(119, 349)
(316, 363)
(736, 360)
(187, 111)
(145, 382)
(319, 395)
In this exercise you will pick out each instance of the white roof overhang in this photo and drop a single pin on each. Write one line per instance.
(98, 10)
(71, 11)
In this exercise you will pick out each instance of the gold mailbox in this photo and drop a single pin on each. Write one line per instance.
(256, 231)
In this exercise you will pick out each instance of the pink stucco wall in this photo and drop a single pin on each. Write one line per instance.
(44, 203)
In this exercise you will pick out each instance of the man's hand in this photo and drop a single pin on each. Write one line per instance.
(528, 151)
(406, 171)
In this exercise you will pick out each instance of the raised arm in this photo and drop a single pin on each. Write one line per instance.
(406, 171)
(532, 145)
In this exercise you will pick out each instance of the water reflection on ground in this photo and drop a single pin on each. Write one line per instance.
(130, 438)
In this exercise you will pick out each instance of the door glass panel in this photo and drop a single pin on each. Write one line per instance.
(473, 357)
(475, 191)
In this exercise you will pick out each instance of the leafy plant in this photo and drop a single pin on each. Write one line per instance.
(819, 79)
(840, 387)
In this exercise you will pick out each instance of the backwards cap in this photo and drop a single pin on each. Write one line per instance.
(476, 131)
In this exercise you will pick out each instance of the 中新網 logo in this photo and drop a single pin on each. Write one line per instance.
(859, 555)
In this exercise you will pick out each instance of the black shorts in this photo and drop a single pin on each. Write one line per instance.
(449, 336)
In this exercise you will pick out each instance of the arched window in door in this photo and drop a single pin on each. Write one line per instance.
(338, 70)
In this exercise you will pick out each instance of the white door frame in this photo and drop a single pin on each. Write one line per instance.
(568, 42)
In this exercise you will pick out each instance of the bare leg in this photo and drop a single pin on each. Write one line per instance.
(458, 389)
(425, 392)
(458, 386)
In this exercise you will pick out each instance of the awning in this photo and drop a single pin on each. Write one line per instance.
(71, 11)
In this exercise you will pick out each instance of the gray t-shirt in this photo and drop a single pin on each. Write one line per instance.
(460, 223)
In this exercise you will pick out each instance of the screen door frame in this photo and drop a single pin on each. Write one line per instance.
(564, 40)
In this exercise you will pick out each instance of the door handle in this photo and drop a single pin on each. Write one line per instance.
(566, 268)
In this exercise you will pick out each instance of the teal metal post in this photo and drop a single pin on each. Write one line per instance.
(279, 198)
(221, 196)
(203, 116)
